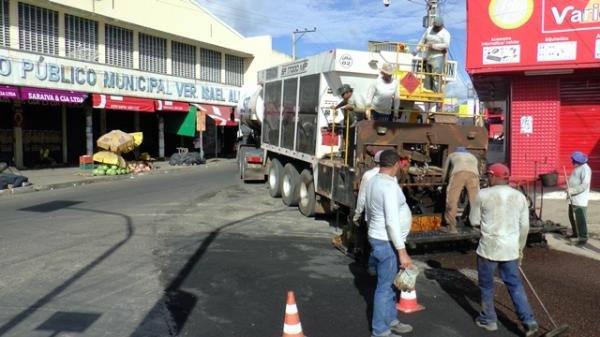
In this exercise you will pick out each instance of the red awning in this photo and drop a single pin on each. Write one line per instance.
(122, 103)
(161, 105)
(220, 114)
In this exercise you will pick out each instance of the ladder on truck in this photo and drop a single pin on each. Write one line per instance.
(419, 104)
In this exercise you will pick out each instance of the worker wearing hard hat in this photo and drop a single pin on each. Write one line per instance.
(579, 190)
(383, 98)
(434, 44)
(463, 169)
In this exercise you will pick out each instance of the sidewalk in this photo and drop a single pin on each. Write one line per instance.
(55, 178)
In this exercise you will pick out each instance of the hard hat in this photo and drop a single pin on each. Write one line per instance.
(344, 89)
(579, 157)
(499, 170)
(438, 21)
(461, 149)
(407, 278)
(387, 69)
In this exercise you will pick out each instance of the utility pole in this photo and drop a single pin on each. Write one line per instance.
(432, 12)
(296, 39)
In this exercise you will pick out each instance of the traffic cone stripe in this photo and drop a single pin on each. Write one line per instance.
(292, 329)
(291, 309)
(409, 295)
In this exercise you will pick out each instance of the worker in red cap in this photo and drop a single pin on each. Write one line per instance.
(579, 190)
(503, 214)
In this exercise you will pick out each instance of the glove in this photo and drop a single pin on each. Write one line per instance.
(356, 218)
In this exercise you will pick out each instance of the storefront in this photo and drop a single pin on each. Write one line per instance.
(538, 69)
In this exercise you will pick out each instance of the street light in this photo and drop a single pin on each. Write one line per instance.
(386, 3)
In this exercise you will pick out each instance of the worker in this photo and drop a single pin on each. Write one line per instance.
(344, 108)
(503, 214)
(434, 45)
(389, 221)
(463, 169)
(579, 190)
(383, 97)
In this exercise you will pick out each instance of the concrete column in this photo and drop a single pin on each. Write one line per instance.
(62, 46)
(136, 50)
(198, 69)
(63, 111)
(102, 121)
(169, 58)
(161, 137)
(18, 146)
(136, 121)
(101, 42)
(89, 130)
(13, 21)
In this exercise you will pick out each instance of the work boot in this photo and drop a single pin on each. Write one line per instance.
(493, 326)
(581, 242)
(391, 334)
(401, 328)
(574, 241)
(531, 329)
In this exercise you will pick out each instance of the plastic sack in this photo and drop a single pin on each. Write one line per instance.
(406, 279)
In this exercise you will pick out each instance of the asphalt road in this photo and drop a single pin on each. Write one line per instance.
(197, 253)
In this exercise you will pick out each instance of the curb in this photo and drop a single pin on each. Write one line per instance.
(99, 179)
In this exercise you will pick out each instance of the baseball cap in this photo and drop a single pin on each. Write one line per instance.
(461, 149)
(499, 170)
(377, 156)
(579, 157)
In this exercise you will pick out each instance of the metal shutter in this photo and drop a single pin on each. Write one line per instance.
(210, 65)
(234, 70)
(81, 38)
(38, 29)
(153, 53)
(580, 121)
(119, 46)
(184, 59)
(5, 27)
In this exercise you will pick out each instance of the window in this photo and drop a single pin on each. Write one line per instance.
(81, 38)
(184, 59)
(153, 53)
(5, 28)
(119, 46)
(234, 70)
(38, 29)
(272, 113)
(210, 65)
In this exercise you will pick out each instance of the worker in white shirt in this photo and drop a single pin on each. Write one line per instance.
(503, 214)
(462, 168)
(434, 45)
(383, 97)
(579, 191)
(389, 220)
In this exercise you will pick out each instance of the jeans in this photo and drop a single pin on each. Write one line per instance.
(384, 306)
(509, 272)
(578, 219)
(434, 66)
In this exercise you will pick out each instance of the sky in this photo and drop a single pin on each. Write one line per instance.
(348, 24)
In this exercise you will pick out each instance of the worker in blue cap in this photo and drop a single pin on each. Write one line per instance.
(578, 193)
(434, 45)
(462, 168)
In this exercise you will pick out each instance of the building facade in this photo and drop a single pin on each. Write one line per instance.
(537, 70)
(72, 70)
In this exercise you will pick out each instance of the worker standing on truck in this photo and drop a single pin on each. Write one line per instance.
(345, 108)
(389, 220)
(579, 190)
(383, 96)
(503, 214)
(434, 45)
(463, 169)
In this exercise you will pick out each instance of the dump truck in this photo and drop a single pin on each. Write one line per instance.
(293, 136)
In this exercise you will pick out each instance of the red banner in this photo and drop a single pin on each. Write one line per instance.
(509, 35)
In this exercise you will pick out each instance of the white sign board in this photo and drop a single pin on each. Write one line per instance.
(527, 124)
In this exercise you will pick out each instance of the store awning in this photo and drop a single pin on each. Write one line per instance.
(161, 105)
(122, 103)
(220, 114)
(7, 92)
(50, 95)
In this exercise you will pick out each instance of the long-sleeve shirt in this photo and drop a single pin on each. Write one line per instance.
(440, 42)
(383, 97)
(362, 190)
(579, 185)
(460, 161)
(503, 214)
(389, 215)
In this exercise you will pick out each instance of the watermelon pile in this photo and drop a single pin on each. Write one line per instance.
(112, 170)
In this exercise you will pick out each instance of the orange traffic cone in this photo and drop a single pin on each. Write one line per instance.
(291, 324)
(408, 302)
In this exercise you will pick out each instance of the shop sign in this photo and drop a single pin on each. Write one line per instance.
(508, 35)
(32, 70)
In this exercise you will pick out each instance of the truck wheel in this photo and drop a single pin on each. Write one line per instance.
(289, 185)
(274, 181)
(306, 190)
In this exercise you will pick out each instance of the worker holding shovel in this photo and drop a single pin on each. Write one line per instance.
(578, 190)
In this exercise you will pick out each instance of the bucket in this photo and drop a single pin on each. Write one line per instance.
(549, 179)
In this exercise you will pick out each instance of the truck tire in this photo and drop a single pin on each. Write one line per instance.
(290, 183)
(274, 178)
(306, 193)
